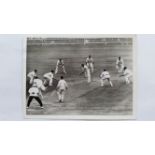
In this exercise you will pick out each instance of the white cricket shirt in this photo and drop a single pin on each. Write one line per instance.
(34, 91)
(105, 75)
(62, 85)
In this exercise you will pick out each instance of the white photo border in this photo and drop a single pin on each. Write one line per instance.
(83, 117)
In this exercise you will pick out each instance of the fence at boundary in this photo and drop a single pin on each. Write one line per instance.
(78, 41)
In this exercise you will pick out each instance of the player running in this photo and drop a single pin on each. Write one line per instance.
(127, 74)
(34, 93)
(60, 65)
(105, 76)
(90, 63)
(61, 88)
(86, 71)
(48, 78)
(31, 76)
(119, 64)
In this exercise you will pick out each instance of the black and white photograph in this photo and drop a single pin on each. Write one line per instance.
(80, 76)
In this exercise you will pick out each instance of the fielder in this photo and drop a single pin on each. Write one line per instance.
(86, 71)
(34, 93)
(105, 76)
(48, 78)
(127, 74)
(31, 76)
(119, 64)
(60, 64)
(39, 83)
(61, 88)
(90, 63)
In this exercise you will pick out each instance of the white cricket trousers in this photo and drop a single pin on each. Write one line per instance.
(91, 65)
(88, 77)
(61, 95)
(102, 82)
(50, 81)
(31, 80)
(119, 68)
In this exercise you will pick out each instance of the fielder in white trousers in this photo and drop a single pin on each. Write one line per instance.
(61, 88)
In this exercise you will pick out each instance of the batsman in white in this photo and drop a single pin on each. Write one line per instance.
(31, 76)
(60, 65)
(48, 78)
(127, 74)
(86, 71)
(105, 76)
(61, 88)
(34, 93)
(119, 64)
(90, 63)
